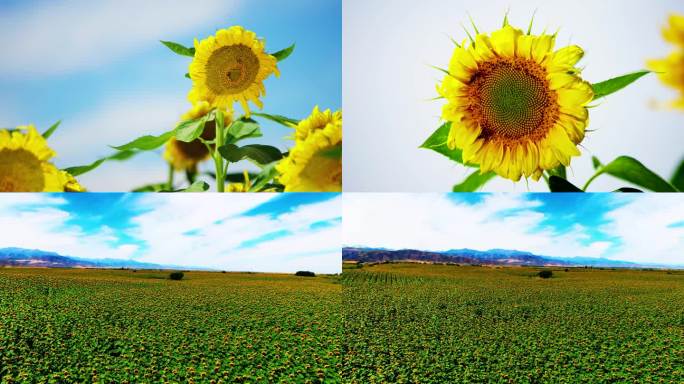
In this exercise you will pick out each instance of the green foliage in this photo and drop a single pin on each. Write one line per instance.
(190, 130)
(268, 173)
(474, 182)
(179, 49)
(284, 53)
(51, 130)
(438, 143)
(116, 326)
(197, 186)
(241, 129)
(176, 275)
(559, 184)
(410, 323)
(147, 142)
(613, 85)
(332, 153)
(282, 120)
(678, 177)
(631, 170)
(119, 156)
(262, 154)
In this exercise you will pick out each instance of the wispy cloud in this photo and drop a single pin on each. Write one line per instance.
(69, 35)
(180, 229)
(632, 228)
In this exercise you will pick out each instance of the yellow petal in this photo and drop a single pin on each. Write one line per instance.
(483, 48)
(565, 58)
(559, 80)
(504, 40)
(581, 94)
(542, 46)
(524, 47)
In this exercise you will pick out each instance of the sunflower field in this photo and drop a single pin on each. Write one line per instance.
(126, 326)
(517, 107)
(415, 323)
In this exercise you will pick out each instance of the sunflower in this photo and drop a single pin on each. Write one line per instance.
(312, 165)
(516, 106)
(671, 69)
(24, 165)
(230, 67)
(186, 156)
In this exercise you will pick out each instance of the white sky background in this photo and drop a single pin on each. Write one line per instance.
(430, 221)
(164, 227)
(387, 48)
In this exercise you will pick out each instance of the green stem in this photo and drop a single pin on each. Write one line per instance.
(218, 159)
(597, 174)
(169, 182)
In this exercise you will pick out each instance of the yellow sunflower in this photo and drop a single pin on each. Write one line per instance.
(186, 156)
(310, 167)
(516, 106)
(25, 166)
(671, 69)
(230, 67)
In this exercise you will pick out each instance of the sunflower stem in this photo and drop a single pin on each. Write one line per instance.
(218, 159)
(169, 180)
(597, 174)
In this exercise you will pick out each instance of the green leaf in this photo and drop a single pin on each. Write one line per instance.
(119, 156)
(474, 182)
(197, 186)
(438, 143)
(158, 187)
(286, 121)
(332, 153)
(179, 49)
(596, 162)
(190, 130)
(262, 154)
(559, 171)
(558, 184)
(631, 170)
(51, 130)
(628, 190)
(678, 177)
(187, 75)
(243, 128)
(613, 85)
(239, 177)
(284, 53)
(147, 143)
(268, 173)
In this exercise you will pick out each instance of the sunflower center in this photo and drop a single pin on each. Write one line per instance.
(196, 150)
(232, 69)
(20, 171)
(512, 100)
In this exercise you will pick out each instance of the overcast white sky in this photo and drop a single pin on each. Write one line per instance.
(387, 50)
(643, 228)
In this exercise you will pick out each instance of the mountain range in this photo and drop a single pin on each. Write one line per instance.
(20, 257)
(474, 257)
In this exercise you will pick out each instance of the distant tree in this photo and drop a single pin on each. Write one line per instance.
(545, 274)
(305, 274)
(567, 270)
(177, 275)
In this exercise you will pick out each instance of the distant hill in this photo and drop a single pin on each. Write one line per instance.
(473, 257)
(20, 257)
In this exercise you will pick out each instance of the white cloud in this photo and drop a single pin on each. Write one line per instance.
(69, 35)
(645, 227)
(434, 222)
(217, 229)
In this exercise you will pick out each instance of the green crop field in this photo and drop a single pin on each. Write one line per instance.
(410, 323)
(118, 326)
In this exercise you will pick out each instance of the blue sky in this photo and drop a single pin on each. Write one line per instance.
(240, 232)
(645, 228)
(99, 67)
